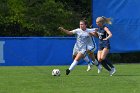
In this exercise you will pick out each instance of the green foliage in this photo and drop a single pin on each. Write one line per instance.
(35, 17)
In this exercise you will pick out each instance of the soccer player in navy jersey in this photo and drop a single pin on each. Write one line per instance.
(104, 34)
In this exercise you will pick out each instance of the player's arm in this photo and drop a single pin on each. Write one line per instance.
(65, 31)
(94, 32)
(108, 32)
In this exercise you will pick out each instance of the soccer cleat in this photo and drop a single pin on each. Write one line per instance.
(89, 67)
(67, 71)
(113, 70)
(111, 73)
(99, 69)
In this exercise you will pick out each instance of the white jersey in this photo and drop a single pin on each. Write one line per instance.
(84, 40)
(91, 45)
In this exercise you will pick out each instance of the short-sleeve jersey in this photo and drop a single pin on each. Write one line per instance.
(102, 33)
(83, 39)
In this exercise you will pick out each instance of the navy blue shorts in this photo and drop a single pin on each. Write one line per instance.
(104, 44)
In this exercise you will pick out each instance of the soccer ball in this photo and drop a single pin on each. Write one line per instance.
(56, 72)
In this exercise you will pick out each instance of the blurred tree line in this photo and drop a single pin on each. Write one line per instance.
(40, 17)
(43, 17)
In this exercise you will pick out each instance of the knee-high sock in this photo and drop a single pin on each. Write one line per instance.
(74, 63)
(105, 65)
(109, 63)
(87, 59)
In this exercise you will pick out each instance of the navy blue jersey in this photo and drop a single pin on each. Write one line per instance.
(102, 33)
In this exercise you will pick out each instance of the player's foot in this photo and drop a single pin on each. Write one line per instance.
(99, 69)
(113, 70)
(67, 71)
(89, 67)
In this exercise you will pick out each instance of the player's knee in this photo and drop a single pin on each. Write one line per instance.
(99, 59)
(73, 56)
(102, 58)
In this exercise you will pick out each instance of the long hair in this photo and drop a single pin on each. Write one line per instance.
(104, 20)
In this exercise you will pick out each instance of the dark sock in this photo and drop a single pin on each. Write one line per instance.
(109, 63)
(105, 65)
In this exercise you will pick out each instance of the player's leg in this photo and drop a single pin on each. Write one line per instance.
(102, 61)
(104, 57)
(89, 63)
(105, 61)
(94, 61)
(90, 48)
(99, 61)
(75, 62)
(113, 69)
(92, 56)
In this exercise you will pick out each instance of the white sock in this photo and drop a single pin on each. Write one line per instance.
(95, 62)
(74, 63)
(86, 59)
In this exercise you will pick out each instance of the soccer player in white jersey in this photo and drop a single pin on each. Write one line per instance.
(91, 47)
(83, 38)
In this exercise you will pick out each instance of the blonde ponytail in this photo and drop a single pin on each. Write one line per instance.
(104, 20)
(107, 20)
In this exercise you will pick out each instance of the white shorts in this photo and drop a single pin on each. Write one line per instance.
(91, 48)
(76, 50)
(82, 50)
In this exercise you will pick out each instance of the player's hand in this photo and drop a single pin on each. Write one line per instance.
(93, 34)
(90, 33)
(105, 39)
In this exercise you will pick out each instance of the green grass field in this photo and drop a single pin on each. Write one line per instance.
(38, 79)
